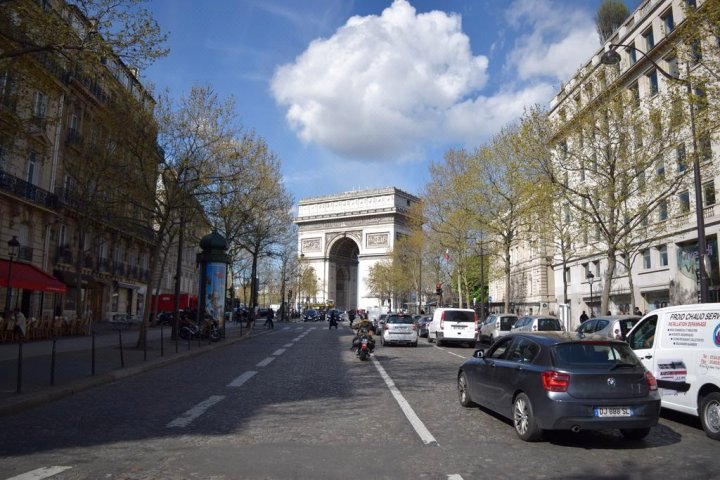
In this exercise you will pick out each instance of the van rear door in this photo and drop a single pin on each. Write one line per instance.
(458, 324)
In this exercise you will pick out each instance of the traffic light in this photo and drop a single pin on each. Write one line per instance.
(438, 288)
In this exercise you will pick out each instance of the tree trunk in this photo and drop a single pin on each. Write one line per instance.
(178, 276)
(608, 277)
(507, 281)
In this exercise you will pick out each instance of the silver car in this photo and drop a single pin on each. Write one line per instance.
(399, 328)
(537, 323)
(562, 381)
(611, 326)
(496, 326)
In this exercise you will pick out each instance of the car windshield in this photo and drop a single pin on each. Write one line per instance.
(606, 354)
(506, 323)
(399, 319)
(459, 316)
(548, 324)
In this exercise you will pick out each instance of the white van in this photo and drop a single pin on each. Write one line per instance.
(453, 325)
(681, 346)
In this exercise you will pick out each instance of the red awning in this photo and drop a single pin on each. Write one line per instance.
(29, 277)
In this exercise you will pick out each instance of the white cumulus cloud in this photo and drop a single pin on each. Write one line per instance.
(380, 83)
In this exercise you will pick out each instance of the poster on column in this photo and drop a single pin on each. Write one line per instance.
(215, 276)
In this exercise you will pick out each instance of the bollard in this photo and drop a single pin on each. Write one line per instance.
(122, 358)
(52, 364)
(162, 345)
(145, 342)
(19, 363)
(92, 353)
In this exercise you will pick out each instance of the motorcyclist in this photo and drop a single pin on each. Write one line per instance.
(363, 329)
(351, 317)
(333, 319)
(269, 319)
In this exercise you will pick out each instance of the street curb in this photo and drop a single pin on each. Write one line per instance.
(26, 401)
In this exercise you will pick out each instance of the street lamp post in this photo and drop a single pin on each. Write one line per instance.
(591, 278)
(611, 57)
(13, 248)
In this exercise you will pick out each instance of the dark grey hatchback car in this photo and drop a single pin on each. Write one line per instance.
(562, 381)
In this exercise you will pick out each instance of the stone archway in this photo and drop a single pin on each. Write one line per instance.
(343, 272)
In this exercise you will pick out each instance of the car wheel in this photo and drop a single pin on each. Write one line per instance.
(710, 415)
(463, 393)
(414, 344)
(635, 433)
(524, 419)
(438, 341)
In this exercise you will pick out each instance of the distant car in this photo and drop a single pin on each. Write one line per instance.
(537, 323)
(496, 326)
(611, 326)
(422, 325)
(311, 315)
(399, 328)
(562, 381)
(453, 325)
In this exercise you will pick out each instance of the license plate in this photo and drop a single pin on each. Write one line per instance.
(613, 412)
(458, 326)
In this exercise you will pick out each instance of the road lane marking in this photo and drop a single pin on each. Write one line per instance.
(448, 351)
(242, 379)
(186, 418)
(288, 345)
(265, 362)
(412, 417)
(455, 476)
(40, 473)
(279, 351)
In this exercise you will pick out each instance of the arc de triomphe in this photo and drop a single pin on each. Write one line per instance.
(341, 236)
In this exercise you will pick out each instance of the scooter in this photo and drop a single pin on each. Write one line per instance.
(210, 329)
(333, 323)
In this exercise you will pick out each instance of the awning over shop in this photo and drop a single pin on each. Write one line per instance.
(29, 277)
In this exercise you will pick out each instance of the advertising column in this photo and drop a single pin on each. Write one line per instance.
(213, 273)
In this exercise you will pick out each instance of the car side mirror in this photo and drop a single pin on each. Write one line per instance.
(479, 353)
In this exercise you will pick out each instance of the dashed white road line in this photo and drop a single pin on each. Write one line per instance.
(288, 345)
(242, 379)
(448, 351)
(425, 435)
(40, 473)
(266, 362)
(186, 418)
(279, 351)
(455, 476)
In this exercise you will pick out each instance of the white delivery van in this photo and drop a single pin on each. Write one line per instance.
(681, 346)
(453, 325)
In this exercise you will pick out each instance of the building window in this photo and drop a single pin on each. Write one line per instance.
(632, 58)
(653, 83)
(660, 168)
(684, 200)
(709, 193)
(649, 39)
(668, 21)
(696, 51)
(700, 97)
(691, 4)
(680, 157)
(672, 66)
(705, 146)
(662, 250)
(7, 90)
(646, 259)
(662, 211)
(40, 105)
(32, 166)
(635, 95)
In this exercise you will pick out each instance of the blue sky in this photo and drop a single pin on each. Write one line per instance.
(366, 93)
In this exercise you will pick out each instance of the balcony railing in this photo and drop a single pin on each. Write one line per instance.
(28, 191)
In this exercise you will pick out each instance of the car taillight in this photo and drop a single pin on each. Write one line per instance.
(651, 382)
(555, 381)
(414, 326)
(497, 325)
(442, 320)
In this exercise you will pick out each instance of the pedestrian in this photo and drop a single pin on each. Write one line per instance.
(583, 317)
(269, 319)
(637, 312)
(20, 321)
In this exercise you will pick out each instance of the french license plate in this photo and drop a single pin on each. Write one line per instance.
(613, 412)
(458, 326)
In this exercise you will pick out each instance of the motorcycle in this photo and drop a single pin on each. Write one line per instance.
(210, 329)
(364, 350)
(363, 345)
(333, 323)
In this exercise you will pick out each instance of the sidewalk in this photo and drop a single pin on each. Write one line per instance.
(74, 361)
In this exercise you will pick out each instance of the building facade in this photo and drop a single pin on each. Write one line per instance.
(74, 138)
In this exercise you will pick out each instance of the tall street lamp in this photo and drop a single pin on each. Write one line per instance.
(591, 278)
(611, 57)
(13, 248)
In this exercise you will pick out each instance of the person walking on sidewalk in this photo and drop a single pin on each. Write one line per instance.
(269, 320)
